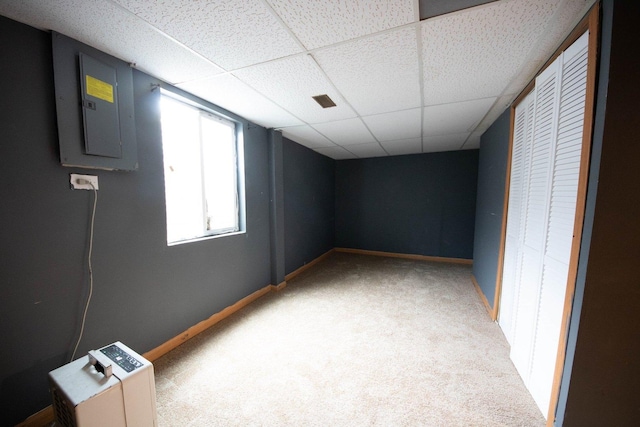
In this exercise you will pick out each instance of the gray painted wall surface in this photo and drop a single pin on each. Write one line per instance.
(309, 204)
(418, 204)
(147, 293)
(144, 292)
(492, 173)
(603, 384)
(601, 376)
(606, 22)
(276, 196)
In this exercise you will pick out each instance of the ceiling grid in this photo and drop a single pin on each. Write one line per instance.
(401, 85)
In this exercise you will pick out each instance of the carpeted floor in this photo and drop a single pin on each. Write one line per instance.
(354, 341)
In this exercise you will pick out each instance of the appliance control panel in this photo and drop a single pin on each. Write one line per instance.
(121, 358)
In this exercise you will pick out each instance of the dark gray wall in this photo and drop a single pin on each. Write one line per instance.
(276, 196)
(144, 292)
(601, 376)
(606, 23)
(309, 204)
(420, 204)
(603, 383)
(492, 173)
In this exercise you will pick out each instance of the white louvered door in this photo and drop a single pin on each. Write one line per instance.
(560, 220)
(522, 135)
(541, 216)
(535, 213)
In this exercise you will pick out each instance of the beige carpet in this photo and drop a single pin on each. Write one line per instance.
(354, 341)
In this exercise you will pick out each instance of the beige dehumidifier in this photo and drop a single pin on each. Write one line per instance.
(110, 387)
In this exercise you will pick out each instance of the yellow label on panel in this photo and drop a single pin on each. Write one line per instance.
(99, 89)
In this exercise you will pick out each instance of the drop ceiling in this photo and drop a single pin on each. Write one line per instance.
(401, 85)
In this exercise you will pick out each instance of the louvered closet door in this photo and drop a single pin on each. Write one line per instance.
(561, 218)
(547, 145)
(535, 214)
(522, 135)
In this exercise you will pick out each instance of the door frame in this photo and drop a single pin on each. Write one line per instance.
(591, 23)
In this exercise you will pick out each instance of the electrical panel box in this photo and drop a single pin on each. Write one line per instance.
(100, 108)
(94, 103)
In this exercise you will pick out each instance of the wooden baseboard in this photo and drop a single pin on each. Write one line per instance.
(174, 342)
(46, 415)
(307, 265)
(40, 419)
(406, 256)
(482, 297)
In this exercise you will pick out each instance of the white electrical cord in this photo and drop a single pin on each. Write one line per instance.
(86, 307)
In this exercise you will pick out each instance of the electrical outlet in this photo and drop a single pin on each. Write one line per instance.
(75, 180)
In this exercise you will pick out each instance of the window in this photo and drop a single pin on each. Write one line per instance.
(201, 171)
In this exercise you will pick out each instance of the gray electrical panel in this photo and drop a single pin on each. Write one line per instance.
(94, 103)
(100, 108)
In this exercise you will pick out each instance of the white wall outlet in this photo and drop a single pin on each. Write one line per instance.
(81, 182)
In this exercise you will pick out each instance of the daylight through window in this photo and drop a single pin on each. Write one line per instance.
(200, 171)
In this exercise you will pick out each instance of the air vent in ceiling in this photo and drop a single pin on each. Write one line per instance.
(324, 101)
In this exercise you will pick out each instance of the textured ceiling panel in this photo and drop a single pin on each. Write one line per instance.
(109, 28)
(291, 82)
(372, 149)
(475, 53)
(565, 19)
(376, 74)
(362, 53)
(397, 125)
(322, 23)
(230, 93)
(232, 33)
(307, 136)
(459, 117)
(337, 153)
(346, 132)
(526, 73)
(450, 142)
(406, 146)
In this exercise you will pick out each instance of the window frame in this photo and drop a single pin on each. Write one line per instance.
(212, 113)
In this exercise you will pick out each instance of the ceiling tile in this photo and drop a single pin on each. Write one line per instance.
(364, 52)
(450, 142)
(346, 132)
(230, 93)
(367, 150)
(475, 53)
(307, 136)
(337, 153)
(565, 19)
(376, 74)
(526, 73)
(322, 23)
(459, 117)
(109, 28)
(569, 14)
(291, 83)
(397, 125)
(405, 146)
(231, 33)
